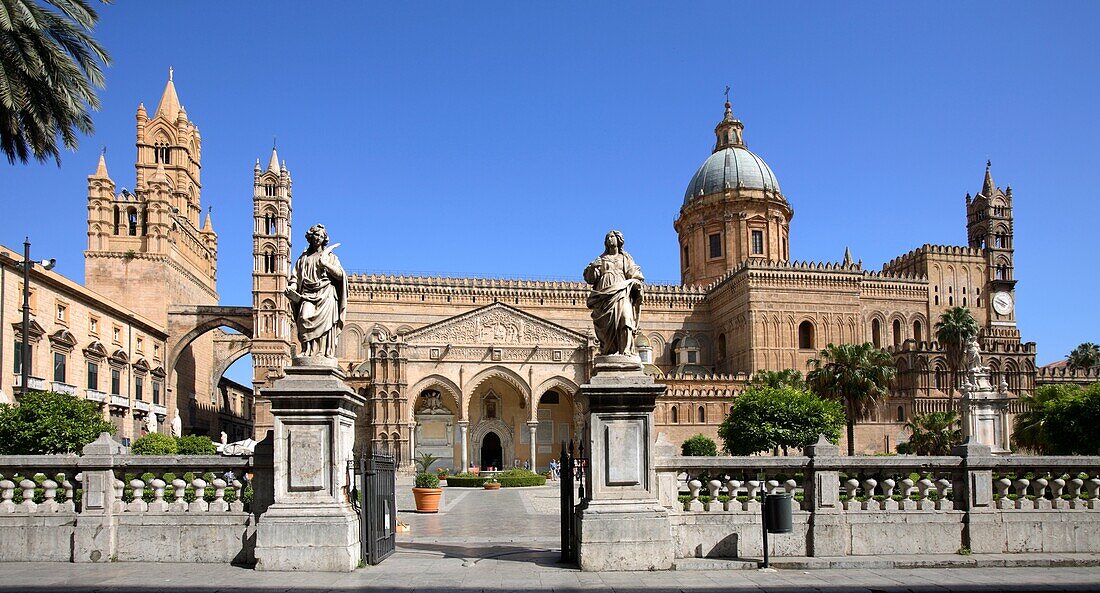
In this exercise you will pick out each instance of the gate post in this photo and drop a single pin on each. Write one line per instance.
(311, 525)
(622, 525)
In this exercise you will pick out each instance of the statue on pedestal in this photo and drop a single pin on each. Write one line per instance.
(177, 426)
(150, 422)
(616, 297)
(318, 293)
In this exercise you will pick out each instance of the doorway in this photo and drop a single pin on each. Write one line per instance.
(492, 453)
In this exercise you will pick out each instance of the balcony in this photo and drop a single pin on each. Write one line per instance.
(141, 406)
(120, 401)
(33, 383)
(160, 410)
(95, 396)
(65, 388)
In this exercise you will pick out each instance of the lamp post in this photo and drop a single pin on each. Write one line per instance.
(25, 365)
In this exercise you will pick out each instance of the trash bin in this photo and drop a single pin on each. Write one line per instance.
(777, 513)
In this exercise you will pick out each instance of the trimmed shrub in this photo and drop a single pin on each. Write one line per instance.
(518, 477)
(426, 480)
(155, 443)
(466, 480)
(699, 445)
(196, 444)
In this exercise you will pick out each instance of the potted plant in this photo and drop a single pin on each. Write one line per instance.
(492, 484)
(427, 493)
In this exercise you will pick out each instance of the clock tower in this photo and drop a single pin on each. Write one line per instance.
(989, 228)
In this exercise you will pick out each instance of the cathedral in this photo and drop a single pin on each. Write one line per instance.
(485, 372)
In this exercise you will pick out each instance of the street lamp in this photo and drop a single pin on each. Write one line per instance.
(46, 264)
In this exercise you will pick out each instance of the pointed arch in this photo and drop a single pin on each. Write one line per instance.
(558, 382)
(445, 386)
(498, 372)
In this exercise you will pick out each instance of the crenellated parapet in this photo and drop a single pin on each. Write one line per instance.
(1049, 375)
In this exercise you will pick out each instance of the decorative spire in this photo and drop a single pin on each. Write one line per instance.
(273, 165)
(207, 225)
(169, 105)
(847, 256)
(987, 186)
(729, 130)
(257, 165)
(101, 168)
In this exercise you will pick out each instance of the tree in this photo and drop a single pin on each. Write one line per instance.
(767, 418)
(857, 375)
(1060, 420)
(1084, 356)
(935, 433)
(778, 379)
(45, 423)
(699, 445)
(49, 69)
(155, 443)
(954, 328)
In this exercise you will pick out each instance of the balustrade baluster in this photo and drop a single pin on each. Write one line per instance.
(790, 486)
(1039, 485)
(752, 505)
(7, 493)
(888, 503)
(850, 487)
(1057, 487)
(1093, 486)
(49, 504)
(1003, 502)
(219, 505)
(1022, 501)
(237, 506)
(138, 505)
(734, 488)
(923, 486)
(869, 491)
(179, 490)
(942, 502)
(200, 505)
(158, 505)
(68, 505)
(27, 486)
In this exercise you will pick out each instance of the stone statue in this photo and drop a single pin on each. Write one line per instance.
(973, 356)
(177, 426)
(432, 404)
(150, 422)
(616, 297)
(318, 293)
(224, 438)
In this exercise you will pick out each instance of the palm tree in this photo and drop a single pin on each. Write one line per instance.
(1029, 426)
(857, 375)
(49, 70)
(934, 433)
(954, 328)
(1084, 356)
(778, 379)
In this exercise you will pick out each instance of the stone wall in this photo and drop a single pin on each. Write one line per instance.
(107, 505)
(863, 506)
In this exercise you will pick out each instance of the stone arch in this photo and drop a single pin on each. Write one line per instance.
(478, 433)
(200, 322)
(351, 343)
(556, 382)
(444, 385)
(499, 372)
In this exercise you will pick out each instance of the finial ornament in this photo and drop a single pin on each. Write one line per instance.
(988, 163)
(169, 74)
(727, 93)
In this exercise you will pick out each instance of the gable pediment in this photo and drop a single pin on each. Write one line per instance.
(496, 325)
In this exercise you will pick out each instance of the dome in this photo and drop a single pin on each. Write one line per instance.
(731, 167)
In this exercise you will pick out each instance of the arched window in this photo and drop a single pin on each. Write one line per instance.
(897, 332)
(701, 415)
(901, 413)
(673, 354)
(917, 331)
(805, 335)
(269, 190)
(131, 221)
(269, 224)
(674, 416)
(117, 219)
(876, 333)
(269, 261)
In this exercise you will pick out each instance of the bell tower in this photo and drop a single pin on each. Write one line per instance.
(271, 343)
(989, 227)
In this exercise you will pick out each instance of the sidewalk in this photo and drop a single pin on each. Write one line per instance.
(512, 570)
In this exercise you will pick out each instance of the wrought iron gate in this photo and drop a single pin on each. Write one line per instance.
(376, 501)
(572, 482)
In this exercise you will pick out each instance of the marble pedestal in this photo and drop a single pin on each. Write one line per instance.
(622, 525)
(985, 412)
(311, 525)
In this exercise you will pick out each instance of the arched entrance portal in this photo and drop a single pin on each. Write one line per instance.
(492, 452)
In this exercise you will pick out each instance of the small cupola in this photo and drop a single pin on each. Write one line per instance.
(729, 131)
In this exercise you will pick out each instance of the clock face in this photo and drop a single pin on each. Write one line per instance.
(1002, 303)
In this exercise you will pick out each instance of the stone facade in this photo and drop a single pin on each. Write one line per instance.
(85, 345)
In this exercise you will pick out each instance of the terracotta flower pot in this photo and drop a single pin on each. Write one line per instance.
(492, 486)
(427, 499)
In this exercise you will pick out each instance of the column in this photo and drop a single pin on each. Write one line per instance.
(463, 425)
(533, 426)
(412, 441)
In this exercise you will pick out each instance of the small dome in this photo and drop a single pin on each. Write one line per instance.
(731, 167)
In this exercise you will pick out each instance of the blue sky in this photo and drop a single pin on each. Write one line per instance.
(505, 139)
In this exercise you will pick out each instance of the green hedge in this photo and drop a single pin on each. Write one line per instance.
(521, 481)
(466, 481)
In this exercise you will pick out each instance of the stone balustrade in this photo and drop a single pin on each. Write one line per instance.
(109, 505)
(903, 504)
